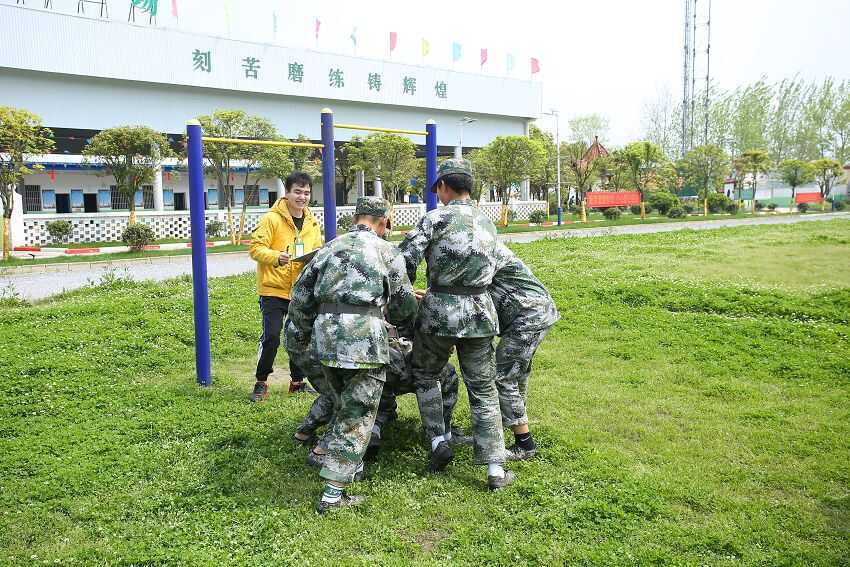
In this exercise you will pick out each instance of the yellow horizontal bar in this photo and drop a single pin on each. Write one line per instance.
(262, 142)
(377, 129)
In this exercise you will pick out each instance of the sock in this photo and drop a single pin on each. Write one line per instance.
(359, 468)
(331, 494)
(376, 430)
(495, 469)
(525, 441)
(436, 441)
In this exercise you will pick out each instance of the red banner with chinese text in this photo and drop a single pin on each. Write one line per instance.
(605, 199)
(807, 198)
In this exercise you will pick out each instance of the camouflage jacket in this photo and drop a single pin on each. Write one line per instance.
(457, 242)
(522, 301)
(358, 268)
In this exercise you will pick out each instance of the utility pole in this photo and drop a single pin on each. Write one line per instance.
(555, 113)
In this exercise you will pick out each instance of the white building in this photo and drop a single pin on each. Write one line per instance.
(82, 74)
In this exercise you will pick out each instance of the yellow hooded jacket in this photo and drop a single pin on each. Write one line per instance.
(275, 234)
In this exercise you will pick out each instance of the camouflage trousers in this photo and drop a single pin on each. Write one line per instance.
(400, 381)
(513, 366)
(478, 367)
(356, 395)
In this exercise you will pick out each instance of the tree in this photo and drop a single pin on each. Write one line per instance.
(705, 167)
(659, 123)
(306, 159)
(643, 159)
(131, 155)
(839, 124)
(273, 162)
(21, 135)
(581, 172)
(753, 163)
(348, 161)
(392, 158)
(784, 119)
(249, 156)
(614, 170)
(544, 177)
(586, 127)
(826, 171)
(796, 172)
(506, 162)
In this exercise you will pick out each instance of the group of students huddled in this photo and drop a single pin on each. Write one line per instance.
(354, 326)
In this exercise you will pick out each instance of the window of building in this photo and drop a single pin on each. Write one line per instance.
(147, 196)
(32, 198)
(119, 199)
(252, 195)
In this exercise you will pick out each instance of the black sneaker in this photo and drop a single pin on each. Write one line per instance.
(440, 457)
(308, 442)
(500, 482)
(345, 502)
(315, 460)
(261, 392)
(360, 475)
(517, 453)
(373, 448)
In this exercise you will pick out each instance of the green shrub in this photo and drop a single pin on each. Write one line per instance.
(718, 202)
(215, 228)
(662, 201)
(732, 208)
(59, 230)
(840, 205)
(138, 235)
(647, 208)
(771, 207)
(611, 213)
(537, 217)
(676, 212)
(635, 209)
(688, 208)
(802, 207)
(759, 205)
(343, 223)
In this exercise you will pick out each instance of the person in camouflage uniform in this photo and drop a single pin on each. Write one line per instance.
(337, 311)
(526, 313)
(458, 243)
(399, 381)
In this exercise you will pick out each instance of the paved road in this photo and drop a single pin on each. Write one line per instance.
(58, 277)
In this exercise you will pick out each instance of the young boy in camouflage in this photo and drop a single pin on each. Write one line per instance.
(337, 311)
(526, 313)
(458, 243)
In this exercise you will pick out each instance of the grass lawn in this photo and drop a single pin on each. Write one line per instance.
(691, 405)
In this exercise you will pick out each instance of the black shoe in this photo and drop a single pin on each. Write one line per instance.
(360, 475)
(500, 482)
(459, 438)
(315, 460)
(261, 392)
(440, 457)
(517, 453)
(373, 448)
(308, 442)
(345, 502)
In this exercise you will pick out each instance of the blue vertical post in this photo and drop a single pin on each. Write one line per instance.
(199, 253)
(430, 164)
(328, 174)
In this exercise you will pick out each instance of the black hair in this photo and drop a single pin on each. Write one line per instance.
(458, 182)
(369, 218)
(297, 178)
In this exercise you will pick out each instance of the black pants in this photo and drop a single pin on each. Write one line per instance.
(274, 310)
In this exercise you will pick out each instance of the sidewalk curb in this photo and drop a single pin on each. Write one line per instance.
(77, 266)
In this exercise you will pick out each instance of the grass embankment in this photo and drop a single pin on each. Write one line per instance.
(691, 407)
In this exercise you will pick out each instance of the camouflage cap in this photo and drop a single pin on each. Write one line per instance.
(450, 166)
(372, 206)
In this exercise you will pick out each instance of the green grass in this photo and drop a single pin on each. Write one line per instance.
(691, 407)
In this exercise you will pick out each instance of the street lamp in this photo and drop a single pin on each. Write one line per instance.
(461, 123)
(554, 113)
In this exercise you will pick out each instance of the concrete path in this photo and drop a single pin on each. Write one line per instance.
(41, 281)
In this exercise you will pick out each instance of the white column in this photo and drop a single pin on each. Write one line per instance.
(157, 189)
(280, 187)
(16, 226)
(360, 183)
(379, 189)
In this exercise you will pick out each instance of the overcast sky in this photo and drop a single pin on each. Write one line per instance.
(603, 56)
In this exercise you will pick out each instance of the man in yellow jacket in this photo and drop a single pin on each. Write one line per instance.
(279, 238)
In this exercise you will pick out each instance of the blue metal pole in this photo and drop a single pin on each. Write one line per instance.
(430, 164)
(199, 253)
(328, 174)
